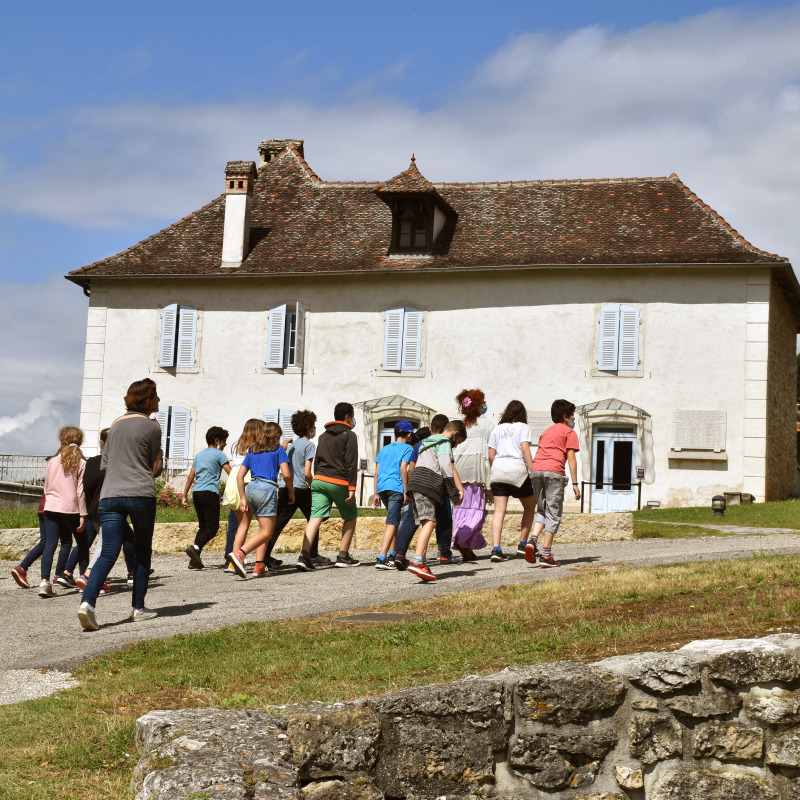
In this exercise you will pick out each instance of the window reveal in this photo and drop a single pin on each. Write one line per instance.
(413, 225)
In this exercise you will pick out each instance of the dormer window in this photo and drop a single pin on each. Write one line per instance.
(413, 234)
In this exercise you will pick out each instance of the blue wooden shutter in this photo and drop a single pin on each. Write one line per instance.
(162, 417)
(300, 335)
(609, 337)
(169, 323)
(275, 334)
(412, 339)
(393, 339)
(187, 334)
(628, 338)
(179, 432)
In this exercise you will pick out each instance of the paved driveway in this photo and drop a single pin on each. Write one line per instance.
(36, 633)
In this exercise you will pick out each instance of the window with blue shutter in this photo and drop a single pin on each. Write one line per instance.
(402, 339)
(618, 342)
(178, 336)
(286, 337)
(175, 422)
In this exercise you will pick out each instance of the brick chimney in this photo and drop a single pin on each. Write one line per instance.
(239, 179)
(270, 148)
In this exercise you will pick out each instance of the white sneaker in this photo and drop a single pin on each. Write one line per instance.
(46, 590)
(87, 618)
(142, 614)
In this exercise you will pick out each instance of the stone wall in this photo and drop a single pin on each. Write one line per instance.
(172, 537)
(781, 397)
(715, 720)
(19, 495)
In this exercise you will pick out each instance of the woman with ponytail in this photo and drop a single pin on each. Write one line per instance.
(472, 463)
(64, 508)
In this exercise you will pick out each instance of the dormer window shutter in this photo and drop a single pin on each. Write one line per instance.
(609, 337)
(393, 339)
(187, 335)
(169, 319)
(628, 338)
(412, 339)
(275, 336)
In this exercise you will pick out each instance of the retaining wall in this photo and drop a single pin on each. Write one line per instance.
(19, 495)
(715, 720)
(172, 537)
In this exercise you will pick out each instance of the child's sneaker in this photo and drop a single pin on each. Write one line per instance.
(384, 562)
(499, 555)
(531, 552)
(521, 549)
(260, 570)
(81, 581)
(321, 561)
(21, 577)
(449, 561)
(421, 571)
(87, 618)
(304, 563)
(237, 560)
(46, 590)
(548, 561)
(195, 562)
(346, 561)
(106, 588)
(400, 563)
(65, 581)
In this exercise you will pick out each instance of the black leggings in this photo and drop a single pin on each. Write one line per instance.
(302, 501)
(206, 504)
(62, 528)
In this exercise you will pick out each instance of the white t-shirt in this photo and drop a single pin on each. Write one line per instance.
(507, 439)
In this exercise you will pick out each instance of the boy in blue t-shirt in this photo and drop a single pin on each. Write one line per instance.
(205, 473)
(391, 481)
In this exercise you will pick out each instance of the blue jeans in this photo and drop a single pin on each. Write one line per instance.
(114, 514)
(444, 529)
(60, 527)
(394, 503)
(38, 549)
(75, 555)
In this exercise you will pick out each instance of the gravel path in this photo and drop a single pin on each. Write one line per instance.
(38, 633)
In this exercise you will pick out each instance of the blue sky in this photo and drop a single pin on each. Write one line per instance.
(116, 120)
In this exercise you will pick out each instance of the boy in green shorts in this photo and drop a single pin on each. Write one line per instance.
(335, 472)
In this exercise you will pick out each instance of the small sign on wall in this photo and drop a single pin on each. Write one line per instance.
(363, 464)
(538, 422)
(640, 473)
(698, 430)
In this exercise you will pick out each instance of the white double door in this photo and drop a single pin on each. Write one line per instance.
(613, 469)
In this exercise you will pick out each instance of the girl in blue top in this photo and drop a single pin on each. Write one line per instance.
(265, 459)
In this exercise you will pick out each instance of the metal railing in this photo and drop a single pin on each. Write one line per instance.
(612, 483)
(174, 469)
(23, 469)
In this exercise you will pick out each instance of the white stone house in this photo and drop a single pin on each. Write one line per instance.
(673, 335)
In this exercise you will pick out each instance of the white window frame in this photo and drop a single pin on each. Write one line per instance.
(180, 328)
(622, 307)
(280, 322)
(401, 353)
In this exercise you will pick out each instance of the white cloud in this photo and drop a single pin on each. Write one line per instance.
(715, 98)
(39, 407)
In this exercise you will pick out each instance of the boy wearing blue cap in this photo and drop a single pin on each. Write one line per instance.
(391, 484)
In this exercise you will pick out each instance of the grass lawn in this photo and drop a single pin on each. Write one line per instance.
(781, 514)
(27, 517)
(655, 530)
(80, 744)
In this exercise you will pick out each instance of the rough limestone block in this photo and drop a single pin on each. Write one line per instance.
(233, 754)
(727, 741)
(441, 740)
(654, 737)
(629, 778)
(700, 785)
(566, 692)
(772, 706)
(356, 789)
(645, 705)
(556, 759)
(712, 700)
(602, 796)
(333, 741)
(737, 662)
(783, 749)
(659, 672)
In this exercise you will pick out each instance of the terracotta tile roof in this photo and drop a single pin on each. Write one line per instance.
(301, 224)
(410, 180)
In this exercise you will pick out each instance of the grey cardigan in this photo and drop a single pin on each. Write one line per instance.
(131, 450)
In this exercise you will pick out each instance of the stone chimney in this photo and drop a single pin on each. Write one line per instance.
(239, 179)
(270, 148)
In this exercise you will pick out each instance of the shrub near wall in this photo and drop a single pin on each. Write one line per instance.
(715, 720)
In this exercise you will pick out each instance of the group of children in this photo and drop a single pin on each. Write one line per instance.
(272, 475)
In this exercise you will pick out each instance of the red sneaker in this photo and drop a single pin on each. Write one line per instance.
(106, 588)
(21, 577)
(421, 571)
(531, 552)
(260, 570)
(81, 581)
(237, 562)
(549, 561)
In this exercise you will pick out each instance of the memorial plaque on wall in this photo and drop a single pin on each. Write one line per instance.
(699, 430)
(538, 422)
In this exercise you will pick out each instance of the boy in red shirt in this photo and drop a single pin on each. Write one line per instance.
(557, 446)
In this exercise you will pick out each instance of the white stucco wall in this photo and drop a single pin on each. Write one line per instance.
(528, 335)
